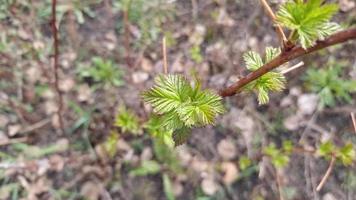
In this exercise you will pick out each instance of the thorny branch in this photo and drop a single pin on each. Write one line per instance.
(284, 57)
(56, 65)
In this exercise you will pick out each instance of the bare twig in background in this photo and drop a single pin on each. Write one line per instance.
(279, 184)
(353, 120)
(327, 173)
(279, 29)
(289, 69)
(7, 141)
(287, 56)
(164, 52)
(35, 126)
(56, 65)
(127, 32)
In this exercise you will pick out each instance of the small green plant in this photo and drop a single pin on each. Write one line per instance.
(103, 72)
(195, 54)
(182, 106)
(78, 7)
(329, 85)
(272, 81)
(345, 154)
(279, 157)
(127, 121)
(147, 15)
(308, 21)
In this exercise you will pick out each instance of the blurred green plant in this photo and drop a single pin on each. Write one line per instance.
(102, 72)
(195, 54)
(79, 8)
(127, 121)
(147, 15)
(279, 157)
(345, 154)
(328, 83)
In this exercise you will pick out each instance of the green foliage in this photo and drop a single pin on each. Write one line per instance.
(244, 162)
(279, 157)
(195, 54)
(167, 156)
(79, 8)
(328, 83)
(271, 81)
(345, 154)
(110, 144)
(155, 129)
(148, 167)
(127, 121)
(182, 106)
(167, 187)
(308, 21)
(103, 72)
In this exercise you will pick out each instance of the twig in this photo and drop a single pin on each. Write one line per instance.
(279, 29)
(36, 126)
(287, 56)
(164, 52)
(56, 66)
(327, 174)
(279, 184)
(285, 71)
(12, 141)
(127, 32)
(353, 120)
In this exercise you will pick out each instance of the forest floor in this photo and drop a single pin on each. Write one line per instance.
(106, 62)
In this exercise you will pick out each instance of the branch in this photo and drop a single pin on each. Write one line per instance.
(279, 29)
(327, 174)
(287, 56)
(56, 66)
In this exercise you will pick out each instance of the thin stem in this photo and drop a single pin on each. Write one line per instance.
(279, 29)
(353, 120)
(164, 52)
(287, 56)
(327, 174)
(56, 65)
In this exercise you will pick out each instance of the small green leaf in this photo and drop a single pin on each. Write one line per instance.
(148, 167)
(167, 187)
(253, 60)
(127, 121)
(347, 154)
(326, 149)
(244, 162)
(271, 53)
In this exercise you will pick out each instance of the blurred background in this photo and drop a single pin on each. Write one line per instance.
(110, 51)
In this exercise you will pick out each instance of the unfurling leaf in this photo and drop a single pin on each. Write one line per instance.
(308, 21)
(271, 81)
(181, 106)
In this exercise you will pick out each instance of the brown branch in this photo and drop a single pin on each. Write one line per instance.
(56, 65)
(278, 28)
(287, 56)
(327, 174)
(164, 52)
(353, 120)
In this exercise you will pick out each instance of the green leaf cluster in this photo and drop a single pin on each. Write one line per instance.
(308, 21)
(330, 85)
(182, 106)
(271, 81)
(346, 154)
(279, 157)
(127, 121)
(103, 72)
